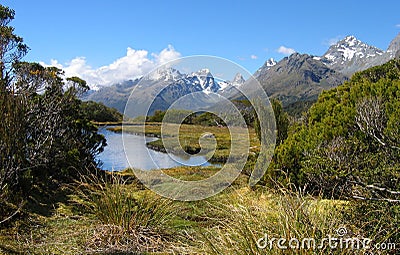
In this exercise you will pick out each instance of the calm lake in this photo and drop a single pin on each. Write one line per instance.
(115, 158)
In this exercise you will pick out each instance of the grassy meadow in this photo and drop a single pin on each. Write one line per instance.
(113, 213)
(189, 138)
(117, 215)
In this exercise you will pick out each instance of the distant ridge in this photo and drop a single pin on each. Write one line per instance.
(302, 77)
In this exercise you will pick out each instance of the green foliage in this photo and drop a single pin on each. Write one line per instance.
(281, 122)
(12, 48)
(186, 117)
(246, 109)
(98, 112)
(177, 116)
(296, 109)
(45, 139)
(158, 116)
(207, 119)
(56, 141)
(350, 139)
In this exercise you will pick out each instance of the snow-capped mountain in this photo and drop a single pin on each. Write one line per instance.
(294, 79)
(267, 65)
(302, 77)
(270, 62)
(164, 74)
(205, 79)
(238, 80)
(350, 55)
(299, 77)
(163, 87)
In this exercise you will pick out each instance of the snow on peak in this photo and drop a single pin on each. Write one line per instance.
(203, 72)
(205, 79)
(165, 74)
(352, 40)
(202, 79)
(350, 54)
(349, 48)
(238, 79)
(270, 62)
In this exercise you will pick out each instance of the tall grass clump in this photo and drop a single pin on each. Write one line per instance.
(379, 221)
(250, 220)
(127, 219)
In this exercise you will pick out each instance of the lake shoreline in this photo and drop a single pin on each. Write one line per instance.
(134, 150)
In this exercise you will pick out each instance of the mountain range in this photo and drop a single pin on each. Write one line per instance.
(162, 87)
(302, 77)
(296, 78)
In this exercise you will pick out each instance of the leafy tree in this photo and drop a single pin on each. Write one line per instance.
(246, 109)
(100, 113)
(12, 48)
(45, 138)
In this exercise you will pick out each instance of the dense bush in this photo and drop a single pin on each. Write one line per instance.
(98, 112)
(349, 142)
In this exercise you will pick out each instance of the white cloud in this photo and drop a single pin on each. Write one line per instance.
(253, 57)
(398, 25)
(134, 64)
(286, 51)
(332, 41)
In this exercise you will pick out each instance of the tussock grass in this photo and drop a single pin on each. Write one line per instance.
(128, 219)
(247, 216)
(115, 215)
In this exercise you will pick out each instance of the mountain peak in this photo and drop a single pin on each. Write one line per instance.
(165, 74)
(298, 77)
(270, 62)
(351, 40)
(394, 45)
(205, 79)
(205, 72)
(350, 55)
(238, 79)
(267, 65)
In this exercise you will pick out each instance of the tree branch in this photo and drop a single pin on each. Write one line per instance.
(376, 199)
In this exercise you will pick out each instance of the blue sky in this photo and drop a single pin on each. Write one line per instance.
(97, 34)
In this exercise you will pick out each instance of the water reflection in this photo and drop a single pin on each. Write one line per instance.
(115, 158)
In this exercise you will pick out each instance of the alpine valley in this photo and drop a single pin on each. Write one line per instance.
(296, 80)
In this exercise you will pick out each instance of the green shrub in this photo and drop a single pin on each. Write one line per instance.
(350, 139)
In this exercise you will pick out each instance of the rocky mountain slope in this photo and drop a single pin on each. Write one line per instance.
(351, 55)
(163, 87)
(298, 77)
(302, 77)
